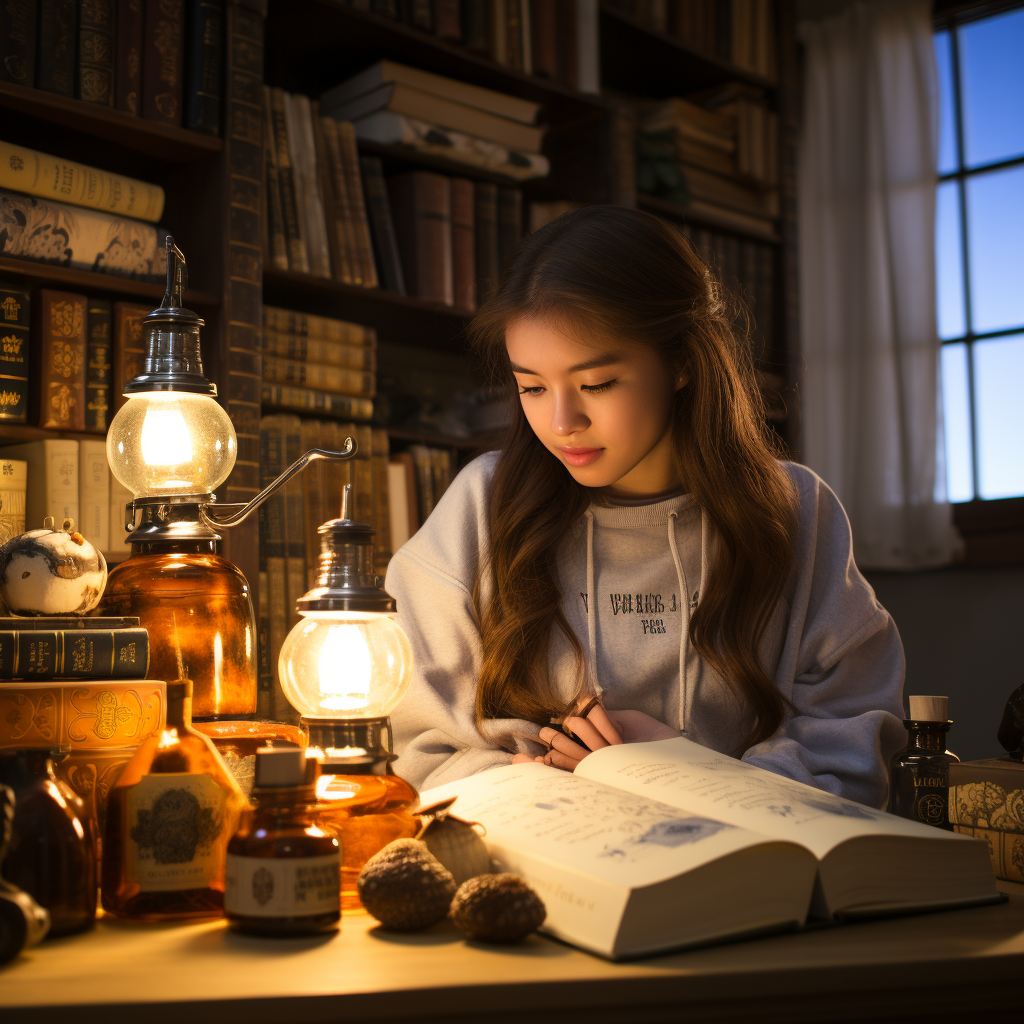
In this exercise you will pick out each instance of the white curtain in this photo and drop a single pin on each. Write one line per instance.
(871, 414)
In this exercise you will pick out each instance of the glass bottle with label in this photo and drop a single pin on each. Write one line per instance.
(283, 871)
(169, 819)
(919, 773)
(52, 854)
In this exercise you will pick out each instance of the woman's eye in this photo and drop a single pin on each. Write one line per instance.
(597, 388)
(530, 391)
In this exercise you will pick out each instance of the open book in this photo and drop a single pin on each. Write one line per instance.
(655, 846)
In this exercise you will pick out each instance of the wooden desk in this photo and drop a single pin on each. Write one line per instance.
(934, 967)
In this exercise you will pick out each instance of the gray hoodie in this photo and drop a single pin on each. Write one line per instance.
(630, 578)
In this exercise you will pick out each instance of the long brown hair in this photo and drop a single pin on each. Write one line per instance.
(621, 273)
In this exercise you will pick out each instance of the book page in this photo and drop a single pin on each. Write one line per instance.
(682, 773)
(597, 830)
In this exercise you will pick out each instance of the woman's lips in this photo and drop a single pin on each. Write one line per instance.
(580, 456)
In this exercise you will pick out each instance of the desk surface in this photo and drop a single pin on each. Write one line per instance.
(931, 967)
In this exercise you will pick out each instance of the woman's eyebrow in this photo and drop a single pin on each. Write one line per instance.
(608, 359)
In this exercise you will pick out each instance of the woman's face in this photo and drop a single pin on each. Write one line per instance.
(602, 409)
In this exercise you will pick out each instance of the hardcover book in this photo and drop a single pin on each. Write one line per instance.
(128, 68)
(349, 153)
(60, 371)
(162, 59)
(488, 265)
(13, 485)
(55, 68)
(308, 325)
(129, 351)
(203, 63)
(70, 236)
(317, 350)
(96, 51)
(52, 479)
(15, 321)
(68, 653)
(100, 331)
(315, 375)
(284, 396)
(653, 846)
(18, 41)
(463, 243)
(94, 492)
(421, 210)
(385, 245)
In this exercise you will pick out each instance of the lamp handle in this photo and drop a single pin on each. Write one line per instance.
(238, 512)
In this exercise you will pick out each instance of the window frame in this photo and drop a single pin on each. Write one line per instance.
(992, 528)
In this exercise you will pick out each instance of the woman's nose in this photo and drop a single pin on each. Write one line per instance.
(567, 416)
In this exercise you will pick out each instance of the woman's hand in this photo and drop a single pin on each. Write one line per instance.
(591, 733)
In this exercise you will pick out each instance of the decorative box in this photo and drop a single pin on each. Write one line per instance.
(986, 800)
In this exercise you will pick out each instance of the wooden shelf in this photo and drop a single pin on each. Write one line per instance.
(317, 44)
(465, 444)
(93, 283)
(636, 60)
(15, 433)
(705, 219)
(398, 158)
(163, 141)
(397, 318)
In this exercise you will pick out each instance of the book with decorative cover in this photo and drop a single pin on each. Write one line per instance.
(128, 61)
(67, 653)
(100, 332)
(129, 352)
(15, 326)
(55, 68)
(652, 846)
(96, 52)
(162, 60)
(60, 367)
(284, 396)
(13, 488)
(325, 377)
(18, 41)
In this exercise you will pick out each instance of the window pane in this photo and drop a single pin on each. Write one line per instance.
(991, 87)
(947, 114)
(995, 236)
(949, 262)
(998, 375)
(956, 415)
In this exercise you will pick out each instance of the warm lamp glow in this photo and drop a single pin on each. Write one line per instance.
(345, 665)
(171, 442)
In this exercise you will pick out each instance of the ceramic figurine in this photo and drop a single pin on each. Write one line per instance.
(51, 572)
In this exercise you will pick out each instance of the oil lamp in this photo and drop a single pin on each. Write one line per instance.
(344, 667)
(172, 445)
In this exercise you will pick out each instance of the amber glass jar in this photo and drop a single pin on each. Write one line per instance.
(919, 775)
(283, 869)
(193, 601)
(52, 855)
(367, 811)
(169, 819)
(238, 741)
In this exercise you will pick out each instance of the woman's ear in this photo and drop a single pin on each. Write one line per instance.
(682, 378)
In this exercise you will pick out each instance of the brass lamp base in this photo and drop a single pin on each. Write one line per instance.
(352, 746)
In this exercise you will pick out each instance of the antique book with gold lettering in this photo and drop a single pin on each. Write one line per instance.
(654, 846)
(60, 351)
(15, 309)
(47, 648)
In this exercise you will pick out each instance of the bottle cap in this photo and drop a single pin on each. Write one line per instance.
(280, 767)
(929, 709)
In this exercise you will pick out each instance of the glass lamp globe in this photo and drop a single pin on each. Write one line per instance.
(171, 442)
(345, 664)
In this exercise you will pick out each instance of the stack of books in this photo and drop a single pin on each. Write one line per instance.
(316, 364)
(394, 104)
(159, 60)
(417, 479)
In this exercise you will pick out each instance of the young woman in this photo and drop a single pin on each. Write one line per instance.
(636, 540)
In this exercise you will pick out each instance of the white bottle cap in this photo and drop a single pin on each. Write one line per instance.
(280, 766)
(929, 709)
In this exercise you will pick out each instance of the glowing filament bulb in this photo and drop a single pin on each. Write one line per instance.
(345, 670)
(166, 440)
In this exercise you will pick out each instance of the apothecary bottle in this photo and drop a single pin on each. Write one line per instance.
(52, 853)
(283, 873)
(169, 819)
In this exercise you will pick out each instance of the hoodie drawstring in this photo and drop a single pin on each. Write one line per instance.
(592, 606)
(684, 630)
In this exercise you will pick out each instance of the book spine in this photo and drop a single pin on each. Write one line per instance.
(94, 493)
(55, 64)
(513, 35)
(379, 458)
(284, 396)
(463, 259)
(421, 208)
(272, 464)
(354, 187)
(510, 225)
(98, 364)
(128, 68)
(476, 25)
(318, 350)
(447, 23)
(60, 389)
(13, 493)
(18, 41)
(384, 242)
(339, 262)
(129, 353)
(275, 212)
(204, 66)
(15, 331)
(568, 37)
(350, 261)
(295, 521)
(486, 229)
(297, 259)
(96, 51)
(74, 654)
(308, 325)
(162, 59)
(544, 38)
(312, 495)
(312, 227)
(314, 375)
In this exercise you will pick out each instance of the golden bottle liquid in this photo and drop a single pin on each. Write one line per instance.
(169, 819)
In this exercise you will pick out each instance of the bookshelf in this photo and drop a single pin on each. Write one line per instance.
(215, 192)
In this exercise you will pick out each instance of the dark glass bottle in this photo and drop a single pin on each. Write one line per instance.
(283, 873)
(169, 818)
(919, 775)
(52, 855)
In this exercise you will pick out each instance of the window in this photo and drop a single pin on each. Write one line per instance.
(979, 236)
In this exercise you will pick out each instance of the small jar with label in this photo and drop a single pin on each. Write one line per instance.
(283, 870)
